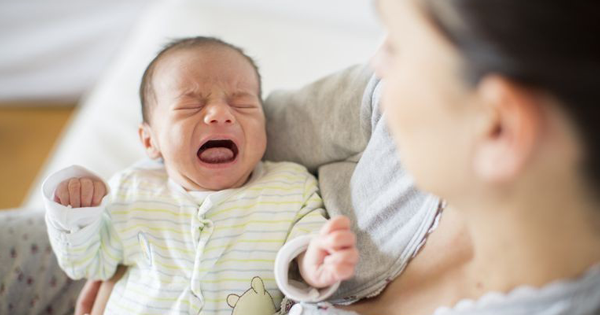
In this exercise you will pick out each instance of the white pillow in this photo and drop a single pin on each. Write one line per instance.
(290, 52)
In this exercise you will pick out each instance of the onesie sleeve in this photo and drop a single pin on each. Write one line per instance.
(309, 221)
(83, 239)
(312, 215)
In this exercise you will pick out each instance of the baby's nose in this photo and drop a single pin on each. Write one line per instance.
(219, 114)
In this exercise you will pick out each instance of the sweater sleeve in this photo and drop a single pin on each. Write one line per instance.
(327, 116)
(83, 239)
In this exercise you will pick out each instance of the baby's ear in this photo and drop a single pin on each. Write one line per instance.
(147, 139)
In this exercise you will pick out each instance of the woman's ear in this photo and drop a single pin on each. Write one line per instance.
(511, 129)
(152, 149)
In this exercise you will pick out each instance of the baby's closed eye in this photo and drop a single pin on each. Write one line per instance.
(189, 107)
(244, 106)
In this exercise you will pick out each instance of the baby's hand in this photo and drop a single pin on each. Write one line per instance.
(331, 256)
(80, 192)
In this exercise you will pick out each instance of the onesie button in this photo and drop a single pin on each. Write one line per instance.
(206, 205)
(296, 310)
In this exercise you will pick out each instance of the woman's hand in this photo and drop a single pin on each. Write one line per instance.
(95, 294)
(331, 256)
(87, 296)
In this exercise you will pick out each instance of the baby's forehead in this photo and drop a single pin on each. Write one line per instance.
(203, 48)
(206, 50)
(202, 58)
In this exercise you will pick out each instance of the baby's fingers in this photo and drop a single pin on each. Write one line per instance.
(87, 192)
(339, 240)
(74, 187)
(80, 192)
(335, 224)
(61, 195)
(99, 193)
(346, 256)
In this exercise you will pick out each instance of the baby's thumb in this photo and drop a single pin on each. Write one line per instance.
(336, 223)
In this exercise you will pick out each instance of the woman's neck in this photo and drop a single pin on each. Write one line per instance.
(476, 250)
(532, 239)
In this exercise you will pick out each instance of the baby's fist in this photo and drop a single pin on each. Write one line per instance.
(331, 256)
(80, 192)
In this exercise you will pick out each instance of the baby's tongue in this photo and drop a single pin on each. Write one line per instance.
(216, 155)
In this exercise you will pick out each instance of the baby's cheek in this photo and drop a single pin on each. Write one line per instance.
(258, 138)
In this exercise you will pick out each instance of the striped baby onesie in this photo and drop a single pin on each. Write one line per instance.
(187, 252)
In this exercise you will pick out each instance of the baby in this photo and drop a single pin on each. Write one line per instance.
(200, 225)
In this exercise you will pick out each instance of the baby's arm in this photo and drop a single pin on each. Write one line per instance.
(78, 227)
(331, 255)
(325, 251)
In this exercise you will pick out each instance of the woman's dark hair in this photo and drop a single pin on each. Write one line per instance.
(550, 45)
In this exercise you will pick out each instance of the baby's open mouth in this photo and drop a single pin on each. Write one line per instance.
(218, 151)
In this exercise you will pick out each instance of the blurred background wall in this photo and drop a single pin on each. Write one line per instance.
(51, 53)
(55, 50)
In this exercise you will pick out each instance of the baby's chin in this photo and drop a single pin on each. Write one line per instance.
(202, 177)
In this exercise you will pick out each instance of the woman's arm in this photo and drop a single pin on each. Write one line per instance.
(320, 123)
(87, 297)
(95, 294)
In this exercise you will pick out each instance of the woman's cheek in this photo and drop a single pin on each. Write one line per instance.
(391, 107)
(394, 101)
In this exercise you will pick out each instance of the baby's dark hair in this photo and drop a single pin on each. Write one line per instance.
(147, 92)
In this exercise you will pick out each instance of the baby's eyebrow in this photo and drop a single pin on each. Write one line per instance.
(242, 94)
(194, 94)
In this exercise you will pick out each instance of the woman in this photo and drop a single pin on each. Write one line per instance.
(494, 105)
(497, 116)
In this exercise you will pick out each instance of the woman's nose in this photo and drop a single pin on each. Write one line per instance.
(218, 114)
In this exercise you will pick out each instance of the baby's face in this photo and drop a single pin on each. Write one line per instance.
(207, 121)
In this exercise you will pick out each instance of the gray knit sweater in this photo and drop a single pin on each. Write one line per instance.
(360, 176)
(335, 128)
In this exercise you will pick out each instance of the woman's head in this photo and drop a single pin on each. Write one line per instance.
(493, 92)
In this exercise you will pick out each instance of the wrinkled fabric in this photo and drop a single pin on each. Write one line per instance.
(358, 169)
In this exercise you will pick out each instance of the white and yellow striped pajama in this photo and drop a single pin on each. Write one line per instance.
(187, 252)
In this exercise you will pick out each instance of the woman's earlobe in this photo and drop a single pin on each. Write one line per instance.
(147, 139)
(511, 133)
